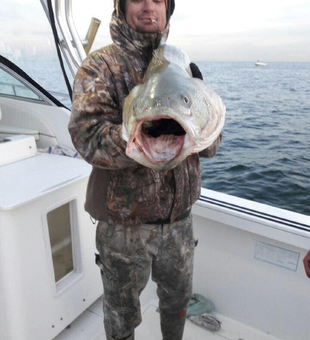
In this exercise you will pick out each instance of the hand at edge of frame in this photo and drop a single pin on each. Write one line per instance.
(307, 264)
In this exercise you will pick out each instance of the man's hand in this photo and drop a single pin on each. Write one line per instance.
(307, 264)
(195, 71)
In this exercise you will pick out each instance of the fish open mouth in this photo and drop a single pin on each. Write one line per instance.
(161, 140)
(164, 126)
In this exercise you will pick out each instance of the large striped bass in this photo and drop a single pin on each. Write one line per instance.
(171, 115)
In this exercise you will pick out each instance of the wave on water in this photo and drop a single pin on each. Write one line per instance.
(265, 152)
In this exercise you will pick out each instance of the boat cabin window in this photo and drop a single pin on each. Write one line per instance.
(28, 42)
(11, 87)
(59, 226)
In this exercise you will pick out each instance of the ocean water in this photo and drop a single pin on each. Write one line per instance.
(265, 152)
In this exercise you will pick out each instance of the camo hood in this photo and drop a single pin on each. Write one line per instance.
(127, 38)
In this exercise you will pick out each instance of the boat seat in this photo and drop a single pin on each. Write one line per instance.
(10, 130)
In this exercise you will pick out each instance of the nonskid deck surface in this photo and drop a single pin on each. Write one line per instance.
(89, 326)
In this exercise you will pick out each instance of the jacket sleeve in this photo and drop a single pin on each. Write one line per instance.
(212, 149)
(96, 118)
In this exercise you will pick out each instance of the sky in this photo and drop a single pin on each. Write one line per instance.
(221, 30)
(226, 30)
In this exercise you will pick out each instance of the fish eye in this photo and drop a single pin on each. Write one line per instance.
(185, 99)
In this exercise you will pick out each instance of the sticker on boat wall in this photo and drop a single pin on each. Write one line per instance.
(278, 256)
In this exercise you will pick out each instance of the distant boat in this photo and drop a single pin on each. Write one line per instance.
(260, 63)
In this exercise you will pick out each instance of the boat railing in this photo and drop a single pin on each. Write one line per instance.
(15, 92)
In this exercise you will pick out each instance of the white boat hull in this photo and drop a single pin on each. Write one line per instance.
(260, 64)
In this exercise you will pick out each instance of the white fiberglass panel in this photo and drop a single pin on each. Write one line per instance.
(36, 177)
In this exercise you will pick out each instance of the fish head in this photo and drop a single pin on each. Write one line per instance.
(165, 124)
(154, 138)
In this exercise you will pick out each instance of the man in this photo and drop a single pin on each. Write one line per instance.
(144, 216)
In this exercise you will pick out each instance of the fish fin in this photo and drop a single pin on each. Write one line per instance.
(124, 133)
(143, 78)
(155, 53)
(159, 49)
(163, 40)
(158, 53)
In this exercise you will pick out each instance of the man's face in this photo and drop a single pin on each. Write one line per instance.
(141, 13)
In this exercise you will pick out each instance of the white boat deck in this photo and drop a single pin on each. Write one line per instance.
(89, 326)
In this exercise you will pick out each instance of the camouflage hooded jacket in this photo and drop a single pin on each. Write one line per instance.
(120, 190)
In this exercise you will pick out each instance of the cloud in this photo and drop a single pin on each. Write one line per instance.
(240, 31)
(270, 45)
(221, 30)
(25, 31)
